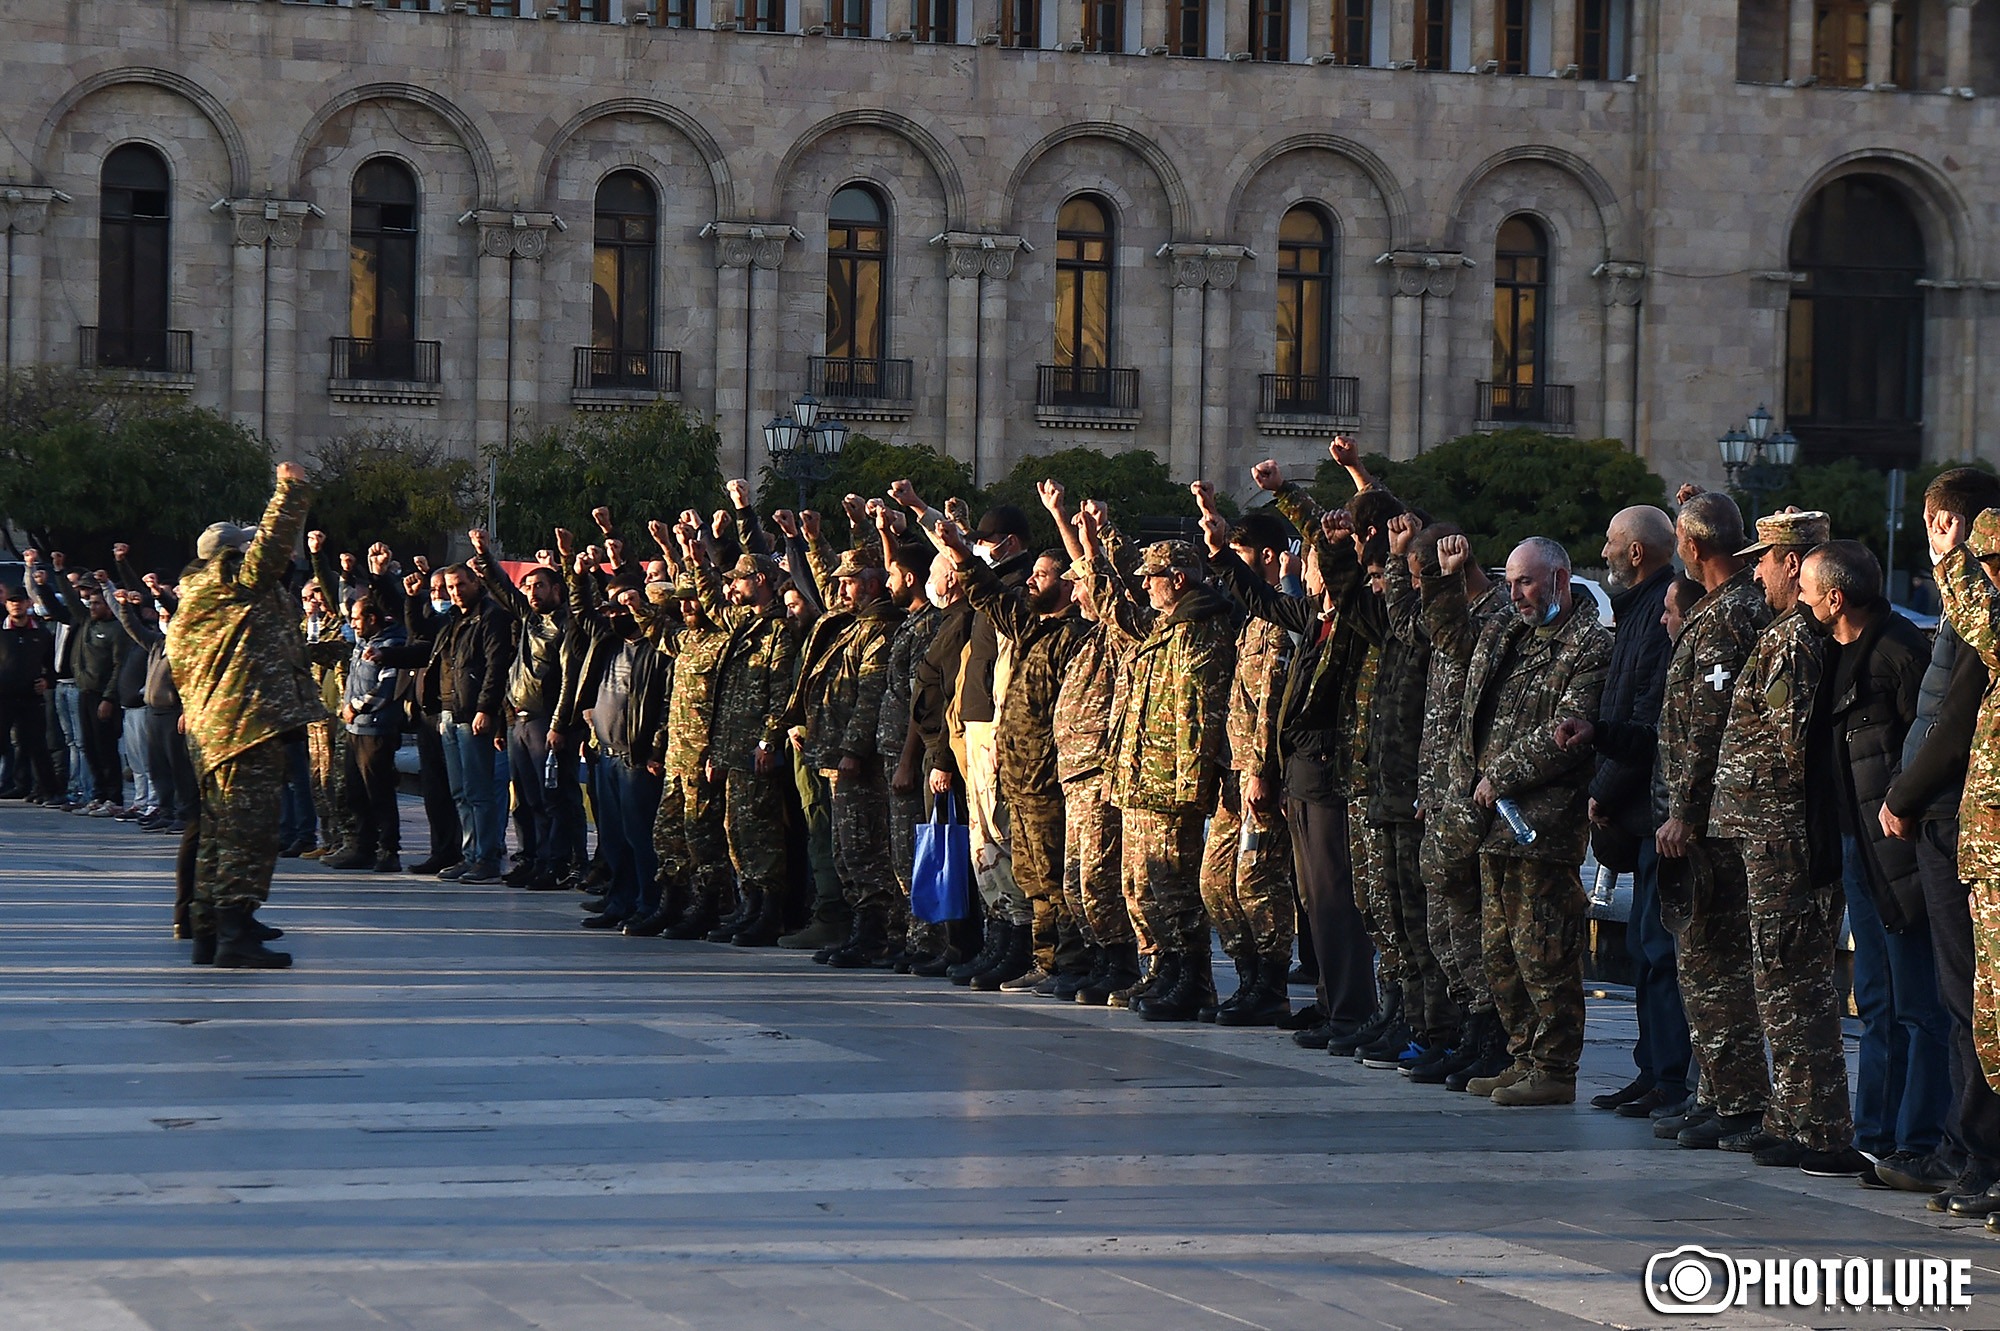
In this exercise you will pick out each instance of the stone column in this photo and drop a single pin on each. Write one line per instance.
(1319, 30)
(24, 216)
(262, 390)
(1235, 19)
(995, 383)
(1403, 32)
(1419, 347)
(1562, 43)
(1152, 24)
(1068, 16)
(1799, 42)
(1485, 33)
(1624, 290)
(1958, 44)
(1406, 371)
(1881, 44)
(1198, 390)
(511, 246)
(747, 258)
(972, 350)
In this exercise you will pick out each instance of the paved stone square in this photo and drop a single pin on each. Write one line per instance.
(462, 1111)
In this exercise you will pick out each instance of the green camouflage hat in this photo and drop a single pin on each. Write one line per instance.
(1985, 537)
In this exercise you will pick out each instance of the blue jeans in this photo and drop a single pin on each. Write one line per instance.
(298, 821)
(144, 795)
(478, 773)
(1903, 1078)
(628, 798)
(70, 718)
(1664, 1049)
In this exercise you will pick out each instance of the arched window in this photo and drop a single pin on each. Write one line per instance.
(134, 216)
(1305, 312)
(382, 273)
(1187, 33)
(1086, 269)
(1270, 29)
(1520, 313)
(621, 279)
(857, 312)
(1854, 359)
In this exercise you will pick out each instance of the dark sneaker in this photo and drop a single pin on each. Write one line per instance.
(1704, 1136)
(1844, 1163)
(1313, 1037)
(1660, 1097)
(1624, 1095)
(1783, 1154)
(1349, 1041)
(1673, 1125)
(1026, 982)
(1409, 1053)
(388, 862)
(1751, 1142)
(1906, 1171)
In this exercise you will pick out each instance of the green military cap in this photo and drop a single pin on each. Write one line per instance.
(1985, 537)
(853, 563)
(1791, 530)
(1163, 556)
(686, 588)
(757, 566)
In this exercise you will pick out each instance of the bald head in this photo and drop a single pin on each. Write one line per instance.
(1638, 543)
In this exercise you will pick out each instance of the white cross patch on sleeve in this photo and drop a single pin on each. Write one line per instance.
(1717, 678)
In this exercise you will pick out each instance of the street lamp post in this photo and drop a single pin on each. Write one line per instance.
(803, 446)
(1759, 463)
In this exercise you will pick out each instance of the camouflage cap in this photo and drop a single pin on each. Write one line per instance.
(1162, 556)
(853, 563)
(1984, 539)
(1792, 530)
(686, 588)
(757, 566)
(220, 536)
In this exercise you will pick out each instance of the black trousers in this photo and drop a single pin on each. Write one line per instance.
(100, 746)
(371, 792)
(1973, 1122)
(24, 726)
(447, 837)
(171, 765)
(1325, 875)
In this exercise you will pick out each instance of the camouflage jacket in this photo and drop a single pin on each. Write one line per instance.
(753, 677)
(1399, 704)
(697, 653)
(906, 650)
(839, 696)
(1169, 727)
(1444, 685)
(234, 645)
(812, 678)
(1084, 703)
(1520, 680)
(1041, 649)
(1716, 640)
(1972, 604)
(1760, 771)
(1256, 691)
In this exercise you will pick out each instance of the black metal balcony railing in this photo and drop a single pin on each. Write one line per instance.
(1309, 395)
(1553, 405)
(160, 350)
(1086, 386)
(651, 371)
(379, 358)
(865, 379)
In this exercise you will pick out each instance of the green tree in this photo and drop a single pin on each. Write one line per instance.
(1512, 484)
(394, 486)
(641, 464)
(865, 467)
(1135, 484)
(1855, 499)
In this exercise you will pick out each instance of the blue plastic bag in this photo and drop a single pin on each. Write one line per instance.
(941, 876)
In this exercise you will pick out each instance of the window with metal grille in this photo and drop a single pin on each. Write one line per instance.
(135, 215)
(1270, 29)
(1305, 293)
(1086, 268)
(382, 264)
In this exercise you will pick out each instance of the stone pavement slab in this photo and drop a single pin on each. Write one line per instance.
(462, 1111)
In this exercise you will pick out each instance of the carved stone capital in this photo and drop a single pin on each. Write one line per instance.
(260, 222)
(24, 209)
(749, 244)
(970, 254)
(1624, 282)
(1424, 272)
(1204, 264)
(508, 235)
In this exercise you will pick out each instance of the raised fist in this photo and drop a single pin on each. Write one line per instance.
(120, 551)
(290, 473)
(602, 517)
(660, 532)
(1204, 495)
(478, 538)
(809, 524)
(1343, 451)
(315, 541)
(787, 522)
(1051, 494)
(905, 494)
(565, 542)
(738, 492)
(1268, 476)
(1453, 553)
(414, 584)
(1403, 533)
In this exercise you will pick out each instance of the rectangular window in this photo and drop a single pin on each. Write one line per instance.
(675, 13)
(1593, 39)
(1513, 36)
(1270, 30)
(409, 4)
(849, 18)
(1103, 25)
(587, 11)
(497, 8)
(1840, 43)
(1187, 27)
(1021, 23)
(937, 20)
(761, 15)
(1433, 34)
(1351, 31)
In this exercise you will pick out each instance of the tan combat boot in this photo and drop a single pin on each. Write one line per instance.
(1538, 1088)
(1488, 1085)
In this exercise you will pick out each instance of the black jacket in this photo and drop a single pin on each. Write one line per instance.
(27, 654)
(1874, 703)
(976, 684)
(471, 650)
(1628, 717)
(1939, 745)
(599, 637)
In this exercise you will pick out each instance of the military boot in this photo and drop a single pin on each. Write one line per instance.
(869, 943)
(747, 900)
(698, 916)
(763, 928)
(1016, 958)
(1470, 1048)
(993, 943)
(1269, 1002)
(204, 948)
(817, 936)
(1507, 1076)
(237, 945)
(1193, 986)
(1159, 977)
(1494, 1059)
(1537, 1088)
(1118, 968)
(1246, 984)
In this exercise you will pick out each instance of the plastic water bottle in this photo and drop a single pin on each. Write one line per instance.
(1524, 834)
(551, 774)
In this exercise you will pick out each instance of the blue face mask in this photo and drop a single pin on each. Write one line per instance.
(1554, 610)
(443, 607)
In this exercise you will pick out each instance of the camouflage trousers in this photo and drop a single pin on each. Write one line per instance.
(1371, 894)
(1535, 913)
(326, 752)
(1160, 875)
(753, 820)
(689, 838)
(861, 844)
(1248, 888)
(1793, 929)
(1427, 1004)
(987, 822)
(1718, 989)
(239, 833)
(1454, 923)
(906, 810)
(1037, 822)
(1091, 827)
(1985, 903)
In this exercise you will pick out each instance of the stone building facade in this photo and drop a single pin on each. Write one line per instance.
(1690, 178)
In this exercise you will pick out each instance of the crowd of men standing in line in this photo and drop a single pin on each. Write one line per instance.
(1379, 747)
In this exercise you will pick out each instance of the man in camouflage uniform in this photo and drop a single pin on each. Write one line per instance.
(1776, 734)
(688, 832)
(1716, 965)
(746, 737)
(1246, 879)
(1166, 747)
(322, 629)
(1524, 675)
(239, 662)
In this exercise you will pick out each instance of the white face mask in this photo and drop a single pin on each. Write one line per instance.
(985, 552)
(934, 596)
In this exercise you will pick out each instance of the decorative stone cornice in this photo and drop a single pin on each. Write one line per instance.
(1424, 272)
(749, 244)
(511, 235)
(25, 208)
(1624, 282)
(278, 222)
(1204, 264)
(971, 254)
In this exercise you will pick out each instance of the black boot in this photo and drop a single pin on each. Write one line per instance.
(762, 929)
(1493, 1057)
(1372, 1029)
(748, 899)
(994, 943)
(1120, 971)
(237, 945)
(1193, 987)
(869, 944)
(1269, 1002)
(651, 924)
(1016, 958)
(1160, 977)
(1069, 983)
(698, 917)
(1247, 978)
(204, 948)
